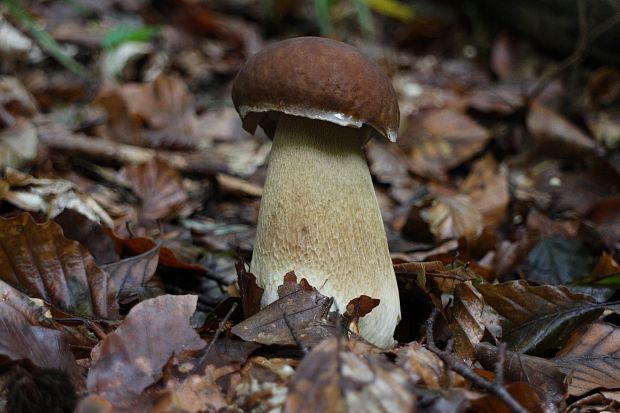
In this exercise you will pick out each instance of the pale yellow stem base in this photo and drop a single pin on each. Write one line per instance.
(319, 217)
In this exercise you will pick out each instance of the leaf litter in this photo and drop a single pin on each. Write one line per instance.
(129, 196)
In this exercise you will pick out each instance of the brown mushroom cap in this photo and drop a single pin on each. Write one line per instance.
(316, 78)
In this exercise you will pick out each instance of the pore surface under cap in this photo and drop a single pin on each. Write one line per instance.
(316, 78)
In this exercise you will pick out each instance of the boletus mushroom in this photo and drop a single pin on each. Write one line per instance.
(320, 101)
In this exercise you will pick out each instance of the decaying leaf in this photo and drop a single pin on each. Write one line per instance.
(18, 145)
(159, 186)
(591, 359)
(133, 356)
(89, 234)
(443, 139)
(157, 114)
(49, 196)
(298, 317)
(37, 258)
(540, 317)
(196, 393)
(523, 393)
(454, 216)
(251, 293)
(558, 260)
(541, 374)
(22, 336)
(331, 379)
(471, 317)
(555, 135)
(264, 383)
(130, 275)
(424, 366)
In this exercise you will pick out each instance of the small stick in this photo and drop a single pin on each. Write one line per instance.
(201, 364)
(456, 365)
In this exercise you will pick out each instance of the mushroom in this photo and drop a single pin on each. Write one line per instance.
(320, 101)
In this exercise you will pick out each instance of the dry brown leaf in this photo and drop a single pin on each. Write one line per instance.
(332, 380)
(522, 392)
(134, 355)
(556, 136)
(24, 338)
(488, 190)
(444, 139)
(605, 126)
(591, 359)
(251, 293)
(606, 217)
(454, 216)
(130, 275)
(263, 383)
(541, 317)
(48, 196)
(14, 97)
(159, 186)
(158, 114)
(37, 258)
(193, 394)
(471, 317)
(18, 145)
(88, 233)
(298, 317)
(541, 374)
(424, 365)
(604, 86)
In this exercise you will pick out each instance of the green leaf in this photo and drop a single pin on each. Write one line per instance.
(124, 33)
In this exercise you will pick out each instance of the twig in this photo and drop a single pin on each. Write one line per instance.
(456, 365)
(201, 364)
(499, 365)
(585, 39)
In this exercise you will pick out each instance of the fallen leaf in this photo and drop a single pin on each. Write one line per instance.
(522, 393)
(605, 126)
(89, 234)
(196, 393)
(558, 260)
(540, 317)
(37, 258)
(541, 374)
(471, 317)
(332, 380)
(157, 114)
(48, 196)
(424, 366)
(264, 383)
(251, 293)
(13, 95)
(43, 347)
(591, 359)
(444, 139)
(604, 86)
(134, 355)
(130, 275)
(488, 190)
(606, 217)
(159, 186)
(297, 317)
(18, 145)
(556, 136)
(454, 216)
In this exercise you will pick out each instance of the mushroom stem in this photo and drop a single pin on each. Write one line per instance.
(320, 218)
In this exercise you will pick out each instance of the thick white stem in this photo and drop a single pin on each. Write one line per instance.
(319, 217)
